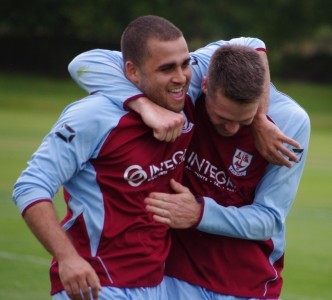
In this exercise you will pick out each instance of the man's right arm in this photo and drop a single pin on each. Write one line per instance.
(102, 71)
(62, 154)
(76, 273)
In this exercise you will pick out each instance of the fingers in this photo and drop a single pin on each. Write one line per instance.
(288, 153)
(170, 131)
(287, 140)
(83, 293)
(73, 291)
(163, 220)
(285, 151)
(84, 290)
(169, 135)
(160, 215)
(157, 207)
(94, 284)
(160, 209)
(78, 291)
(279, 160)
(79, 279)
(95, 291)
(159, 135)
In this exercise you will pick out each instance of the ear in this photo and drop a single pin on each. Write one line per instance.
(131, 72)
(204, 85)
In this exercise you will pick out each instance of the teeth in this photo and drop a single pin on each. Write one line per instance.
(176, 90)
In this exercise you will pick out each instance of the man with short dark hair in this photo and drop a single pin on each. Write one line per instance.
(107, 246)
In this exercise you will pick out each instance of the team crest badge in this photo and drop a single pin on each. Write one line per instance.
(241, 161)
(187, 126)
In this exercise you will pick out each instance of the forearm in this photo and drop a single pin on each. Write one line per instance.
(251, 222)
(102, 71)
(42, 221)
(265, 97)
(262, 219)
(76, 274)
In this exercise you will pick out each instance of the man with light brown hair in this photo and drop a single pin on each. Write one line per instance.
(229, 228)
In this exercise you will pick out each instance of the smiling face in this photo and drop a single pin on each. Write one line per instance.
(165, 73)
(227, 115)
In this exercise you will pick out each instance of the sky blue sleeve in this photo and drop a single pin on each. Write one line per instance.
(276, 191)
(101, 71)
(63, 153)
(200, 60)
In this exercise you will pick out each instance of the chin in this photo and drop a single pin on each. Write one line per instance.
(176, 108)
(225, 134)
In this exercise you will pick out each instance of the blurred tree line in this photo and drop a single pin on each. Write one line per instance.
(44, 35)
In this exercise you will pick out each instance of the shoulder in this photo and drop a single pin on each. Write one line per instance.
(94, 108)
(94, 114)
(286, 113)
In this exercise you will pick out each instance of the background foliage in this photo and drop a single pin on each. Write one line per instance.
(44, 35)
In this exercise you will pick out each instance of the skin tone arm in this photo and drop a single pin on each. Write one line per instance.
(75, 273)
(166, 125)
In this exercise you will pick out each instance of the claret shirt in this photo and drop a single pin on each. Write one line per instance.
(107, 161)
(238, 246)
(227, 169)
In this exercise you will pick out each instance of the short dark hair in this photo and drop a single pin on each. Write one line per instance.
(138, 32)
(237, 72)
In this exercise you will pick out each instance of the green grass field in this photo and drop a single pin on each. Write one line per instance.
(30, 105)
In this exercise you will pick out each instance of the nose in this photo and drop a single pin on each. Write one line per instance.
(232, 127)
(179, 76)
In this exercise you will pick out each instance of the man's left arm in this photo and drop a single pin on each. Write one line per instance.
(258, 221)
(276, 191)
(269, 139)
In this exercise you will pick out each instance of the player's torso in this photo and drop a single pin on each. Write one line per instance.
(228, 170)
(131, 163)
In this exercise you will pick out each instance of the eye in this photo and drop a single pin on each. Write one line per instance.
(186, 64)
(167, 68)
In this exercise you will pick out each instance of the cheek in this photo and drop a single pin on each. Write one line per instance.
(188, 74)
(159, 82)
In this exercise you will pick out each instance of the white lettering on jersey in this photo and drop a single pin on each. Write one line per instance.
(136, 175)
(206, 171)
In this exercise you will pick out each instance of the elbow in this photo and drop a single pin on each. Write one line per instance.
(265, 228)
(272, 228)
(72, 68)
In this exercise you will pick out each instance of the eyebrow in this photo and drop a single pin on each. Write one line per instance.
(172, 65)
(241, 121)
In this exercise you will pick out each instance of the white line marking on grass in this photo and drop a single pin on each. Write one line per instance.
(25, 258)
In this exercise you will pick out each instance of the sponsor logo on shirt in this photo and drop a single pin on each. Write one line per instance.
(206, 171)
(136, 175)
(241, 161)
